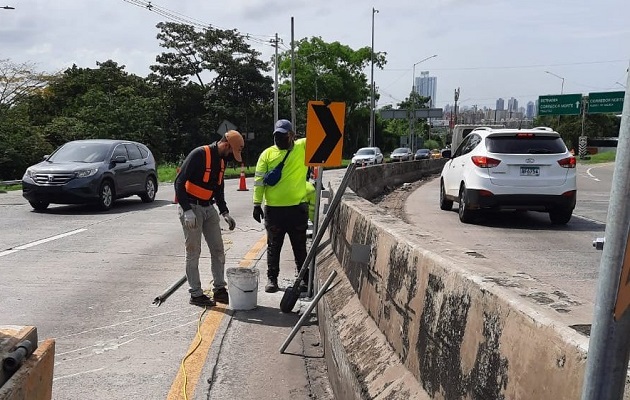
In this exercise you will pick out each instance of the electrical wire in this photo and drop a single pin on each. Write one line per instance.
(184, 19)
(183, 366)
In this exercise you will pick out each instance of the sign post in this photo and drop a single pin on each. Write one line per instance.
(609, 347)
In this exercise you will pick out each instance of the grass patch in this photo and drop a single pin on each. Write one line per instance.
(606, 156)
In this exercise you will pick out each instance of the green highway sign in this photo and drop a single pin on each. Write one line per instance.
(561, 104)
(605, 102)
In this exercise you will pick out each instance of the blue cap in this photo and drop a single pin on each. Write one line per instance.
(283, 126)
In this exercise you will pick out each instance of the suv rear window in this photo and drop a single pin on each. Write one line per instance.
(528, 145)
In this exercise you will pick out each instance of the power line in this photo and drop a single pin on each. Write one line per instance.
(184, 19)
(528, 66)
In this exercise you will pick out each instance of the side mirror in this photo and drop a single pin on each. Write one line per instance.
(446, 154)
(46, 157)
(119, 160)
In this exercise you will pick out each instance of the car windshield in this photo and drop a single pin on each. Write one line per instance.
(81, 152)
(365, 152)
(525, 145)
(401, 150)
(422, 151)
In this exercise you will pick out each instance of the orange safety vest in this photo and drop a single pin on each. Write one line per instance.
(200, 192)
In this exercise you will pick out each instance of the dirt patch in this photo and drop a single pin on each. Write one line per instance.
(393, 198)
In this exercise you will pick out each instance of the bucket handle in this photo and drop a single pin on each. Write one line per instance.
(248, 291)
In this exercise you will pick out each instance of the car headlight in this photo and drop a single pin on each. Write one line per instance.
(84, 173)
(29, 173)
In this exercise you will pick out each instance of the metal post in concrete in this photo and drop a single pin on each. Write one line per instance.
(609, 347)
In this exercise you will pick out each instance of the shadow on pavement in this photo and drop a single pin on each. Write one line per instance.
(263, 315)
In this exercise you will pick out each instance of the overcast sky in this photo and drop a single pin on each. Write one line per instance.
(487, 48)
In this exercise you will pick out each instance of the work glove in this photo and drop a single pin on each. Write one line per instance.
(230, 221)
(190, 220)
(258, 213)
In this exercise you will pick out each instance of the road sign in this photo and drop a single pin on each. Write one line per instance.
(225, 126)
(324, 133)
(561, 104)
(605, 102)
(405, 114)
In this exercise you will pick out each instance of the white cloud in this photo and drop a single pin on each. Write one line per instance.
(561, 35)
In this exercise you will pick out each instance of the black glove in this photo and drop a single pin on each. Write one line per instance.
(258, 213)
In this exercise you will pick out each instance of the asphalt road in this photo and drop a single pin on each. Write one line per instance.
(554, 266)
(87, 279)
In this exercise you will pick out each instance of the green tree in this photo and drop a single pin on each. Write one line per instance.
(222, 77)
(331, 71)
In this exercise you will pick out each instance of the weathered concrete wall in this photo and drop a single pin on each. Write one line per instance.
(460, 336)
(369, 182)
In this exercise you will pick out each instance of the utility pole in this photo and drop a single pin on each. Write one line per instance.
(275, 81)
(374, 11)
(292, 74)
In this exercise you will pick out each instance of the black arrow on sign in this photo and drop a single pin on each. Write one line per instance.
(331, 131)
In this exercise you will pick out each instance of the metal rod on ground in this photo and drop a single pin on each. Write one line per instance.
(609, 347)
(162, 298)
(307, 313)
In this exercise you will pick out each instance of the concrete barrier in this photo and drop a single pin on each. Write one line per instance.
(411, 321)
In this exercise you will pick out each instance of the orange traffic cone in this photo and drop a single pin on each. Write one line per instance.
(175, 201)
(242, 185)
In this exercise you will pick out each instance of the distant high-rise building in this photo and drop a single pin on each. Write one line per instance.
(512, 105)
(500, 104)
(531, 107)
(426, 86)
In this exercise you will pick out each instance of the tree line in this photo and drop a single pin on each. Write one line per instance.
(202, 78)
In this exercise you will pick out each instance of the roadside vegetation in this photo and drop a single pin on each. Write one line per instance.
(606, 156)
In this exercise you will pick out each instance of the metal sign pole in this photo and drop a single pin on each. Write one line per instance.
(609, 347)
(318, 192)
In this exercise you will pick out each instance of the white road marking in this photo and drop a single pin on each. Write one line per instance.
(42, 241)
(588, 172)
(78, 373)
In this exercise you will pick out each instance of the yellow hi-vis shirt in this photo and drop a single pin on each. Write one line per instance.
(290, 190)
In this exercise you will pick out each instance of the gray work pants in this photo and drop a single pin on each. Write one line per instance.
(208, 226)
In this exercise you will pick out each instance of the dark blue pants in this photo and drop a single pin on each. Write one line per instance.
(291, 220)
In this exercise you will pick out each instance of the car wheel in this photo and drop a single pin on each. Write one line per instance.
(106, 196)
(465, 213)
(445, 204)
(39, 205)
(560, 216)
(149, 190)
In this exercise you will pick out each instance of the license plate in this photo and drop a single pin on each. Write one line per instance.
(530, 171)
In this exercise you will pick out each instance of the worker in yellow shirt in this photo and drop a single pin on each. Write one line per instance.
(285, 208)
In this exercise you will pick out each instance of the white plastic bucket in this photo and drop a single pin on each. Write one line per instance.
(242, 287)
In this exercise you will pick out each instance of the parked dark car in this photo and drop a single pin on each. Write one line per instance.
(96, 171)
(422, 154)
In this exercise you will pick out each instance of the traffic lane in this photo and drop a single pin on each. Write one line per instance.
(521, 244)
(92, 291)
(20, 224)
(594, 183)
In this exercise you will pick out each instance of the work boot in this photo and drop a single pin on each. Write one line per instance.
(202, 301)
(272, 285)
(221, 296)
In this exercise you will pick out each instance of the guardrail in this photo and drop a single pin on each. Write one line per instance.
(10, 183)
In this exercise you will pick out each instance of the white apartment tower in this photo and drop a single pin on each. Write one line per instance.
(426, 86)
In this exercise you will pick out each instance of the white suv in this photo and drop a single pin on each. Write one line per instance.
(522, 169)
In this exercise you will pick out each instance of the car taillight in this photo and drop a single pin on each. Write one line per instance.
(525, 135)
(568, 162)
(485, 162)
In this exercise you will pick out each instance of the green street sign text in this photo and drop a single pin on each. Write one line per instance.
(605, 102)
(561, 104)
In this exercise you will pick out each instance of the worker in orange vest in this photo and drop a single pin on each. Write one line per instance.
(199, 187)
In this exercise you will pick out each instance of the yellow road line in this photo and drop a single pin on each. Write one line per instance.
(194, 363)
(250, 257)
